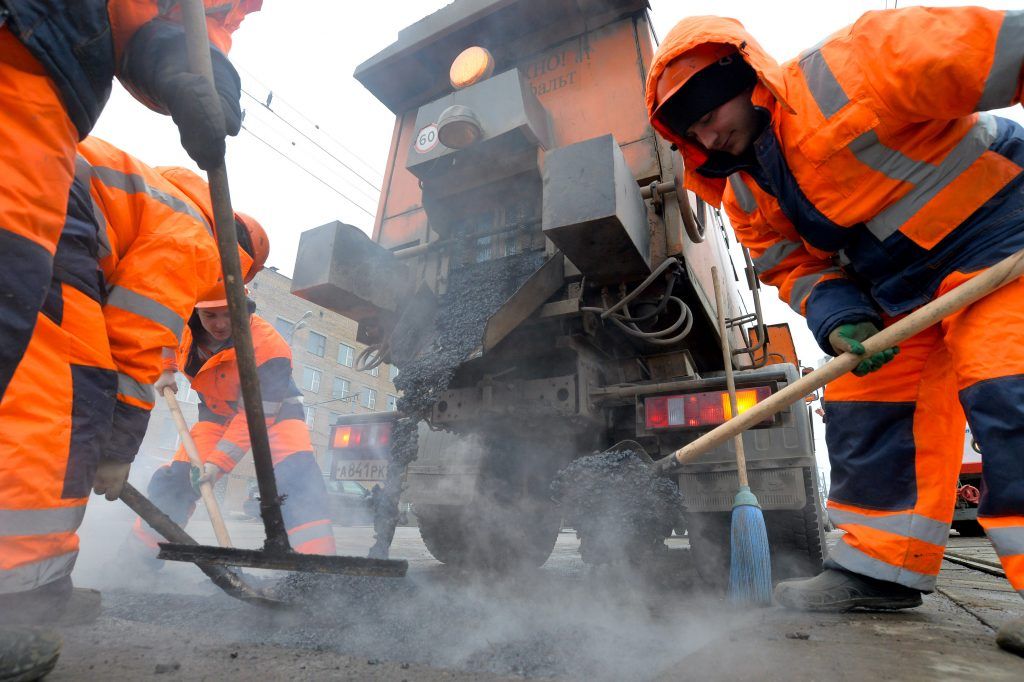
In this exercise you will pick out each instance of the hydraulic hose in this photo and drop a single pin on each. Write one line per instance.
(628, 324)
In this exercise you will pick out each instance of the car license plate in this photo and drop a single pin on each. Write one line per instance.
(361, 470)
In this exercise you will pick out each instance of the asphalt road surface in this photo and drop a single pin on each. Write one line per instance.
(562, 621)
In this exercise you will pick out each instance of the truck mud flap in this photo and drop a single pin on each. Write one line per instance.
(714, 491)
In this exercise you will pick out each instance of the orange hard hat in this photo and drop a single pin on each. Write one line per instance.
(216, 297)
(679, 71)
(253, 238)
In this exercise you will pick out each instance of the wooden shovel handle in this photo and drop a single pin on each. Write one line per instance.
(1000, 274)
(205, 488)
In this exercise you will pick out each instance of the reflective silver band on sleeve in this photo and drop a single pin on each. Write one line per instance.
(143, 306)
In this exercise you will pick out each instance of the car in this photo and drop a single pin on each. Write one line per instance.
(350, 503)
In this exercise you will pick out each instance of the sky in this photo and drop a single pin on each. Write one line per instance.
(304, 53)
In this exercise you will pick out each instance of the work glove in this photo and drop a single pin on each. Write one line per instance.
(166, 380)
(846, 338)
(204, 118)
(110, 477)
(208, 474)
(155, 70)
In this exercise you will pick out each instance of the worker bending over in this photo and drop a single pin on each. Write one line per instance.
(57, 61)
(865, 183)
(207, 357)
(133, 257)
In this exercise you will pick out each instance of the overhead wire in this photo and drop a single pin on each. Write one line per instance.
(272, 96)
(308, 138)
(309, 172)
(286, 140)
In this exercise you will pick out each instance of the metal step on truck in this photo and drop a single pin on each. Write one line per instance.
(543, 283)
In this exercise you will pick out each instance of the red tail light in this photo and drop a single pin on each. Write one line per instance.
(361, 435)
(692, 410)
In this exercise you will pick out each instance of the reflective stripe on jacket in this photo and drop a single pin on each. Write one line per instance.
(81, 43)
(876, 177)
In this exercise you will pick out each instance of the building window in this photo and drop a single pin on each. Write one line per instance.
(168, 439)
(392, 402)
(375, 371)
(316, 343)
(186, 394)
(392, 372)
(341, 388)
(369, 398)
(310, 415)
(346, 354)
(285, 328)
(311, 379)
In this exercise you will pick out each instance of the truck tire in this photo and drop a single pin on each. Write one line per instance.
(796, 538)
(494, 537)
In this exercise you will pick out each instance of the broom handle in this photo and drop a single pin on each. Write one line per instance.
(730, 380)
(220, 529)
(999, 275)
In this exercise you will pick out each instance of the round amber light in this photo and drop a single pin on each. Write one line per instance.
(473, 65)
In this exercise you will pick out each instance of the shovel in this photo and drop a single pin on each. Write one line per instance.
(1000, 274)
(205, 488)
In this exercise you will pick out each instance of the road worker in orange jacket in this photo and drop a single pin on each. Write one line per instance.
(866, 179)
(57, 62)
(207, 357)
(133, 258)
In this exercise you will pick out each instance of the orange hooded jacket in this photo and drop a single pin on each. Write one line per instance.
(873, 172)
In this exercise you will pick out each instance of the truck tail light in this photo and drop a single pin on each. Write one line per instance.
(361, 435)
(693, 410)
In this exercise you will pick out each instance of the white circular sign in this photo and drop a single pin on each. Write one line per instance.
(426, 139)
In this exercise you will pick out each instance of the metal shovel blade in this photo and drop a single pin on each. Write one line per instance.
(289, 561)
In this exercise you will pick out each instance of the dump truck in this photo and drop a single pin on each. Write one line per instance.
(542, 281)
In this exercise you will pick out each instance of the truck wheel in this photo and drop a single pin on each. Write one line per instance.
(969, 529)
(709, 544)
(490, 536)
(796, 538)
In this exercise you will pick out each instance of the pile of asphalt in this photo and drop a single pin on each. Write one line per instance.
(474, 293)
(621, 509)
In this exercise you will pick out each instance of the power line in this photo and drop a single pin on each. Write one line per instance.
(272, 95)
(285, 138)
(309, 172)
(317, 144)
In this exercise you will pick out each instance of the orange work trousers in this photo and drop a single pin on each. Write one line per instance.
(37, 153)
(895, 440)
(55, 416)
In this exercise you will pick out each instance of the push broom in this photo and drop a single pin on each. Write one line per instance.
(750, 564)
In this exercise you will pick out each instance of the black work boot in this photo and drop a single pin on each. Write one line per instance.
(27, 653)
(838, 590)
(1011, 637)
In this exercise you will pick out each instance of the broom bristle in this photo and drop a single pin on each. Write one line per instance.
(750, 571)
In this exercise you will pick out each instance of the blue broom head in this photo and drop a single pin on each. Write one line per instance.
(750, 571)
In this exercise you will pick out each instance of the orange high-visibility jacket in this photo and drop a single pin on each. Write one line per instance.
(875, 178)
(194, 189)
(220, 394)
(157, 253)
